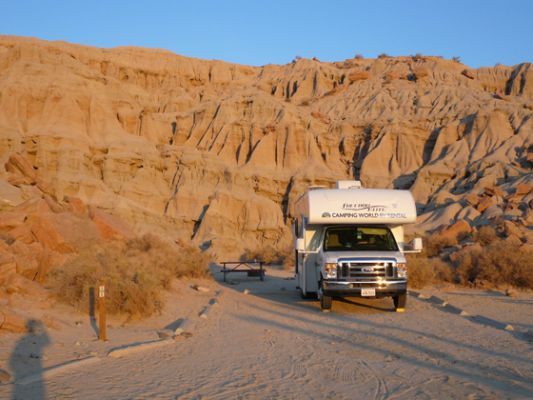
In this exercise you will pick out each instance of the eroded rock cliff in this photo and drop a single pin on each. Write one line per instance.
(217, 153)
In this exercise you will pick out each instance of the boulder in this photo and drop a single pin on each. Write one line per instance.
(523, 188)
(10, 220)
(456, 230)
(4, 376)
(76, 205)
(472, 198)
(19, 164)
(12, 322)
(6, 270)
(19, 284)
(110, 226)
(486, 202)
(44, 228)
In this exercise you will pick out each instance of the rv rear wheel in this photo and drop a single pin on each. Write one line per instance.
(307, 296)
(399, 302)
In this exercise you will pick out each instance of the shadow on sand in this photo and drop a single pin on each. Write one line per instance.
(368, 326)
(26, 359)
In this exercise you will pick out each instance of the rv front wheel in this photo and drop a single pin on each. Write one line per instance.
(325, 301)
(399, 302)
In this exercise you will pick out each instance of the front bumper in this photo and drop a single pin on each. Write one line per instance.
(353, 288)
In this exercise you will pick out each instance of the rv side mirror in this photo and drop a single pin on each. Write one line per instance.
(416, 244)
(300, 244)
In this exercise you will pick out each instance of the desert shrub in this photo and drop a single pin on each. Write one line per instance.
(434, 244)
(135, 274)
(383, 55)
(424, 271)
(456, 59)
(500, 263)
(269, 255)
(486, 235)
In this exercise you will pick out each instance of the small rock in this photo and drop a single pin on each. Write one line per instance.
(185, 335)
(391, 357)
(423, 296)
(33, 355)
(246, 291)
(509, 328)
(165, 333)
(464, 314)
(4, 376)
(93, 353)
(78, 323)
(444, 304)
(202, 289)
(78, 344)
(510, 292)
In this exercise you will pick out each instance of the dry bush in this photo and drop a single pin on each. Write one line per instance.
(424, 271)
(270, 255)
(486, 235)
(435, 243)
(135, 274)
(502, 262)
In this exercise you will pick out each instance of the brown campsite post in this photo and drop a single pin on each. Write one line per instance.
(101, 313)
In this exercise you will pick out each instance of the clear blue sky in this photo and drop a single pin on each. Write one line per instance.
(258, 32)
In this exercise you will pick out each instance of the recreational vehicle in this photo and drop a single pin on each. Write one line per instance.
(349, 241)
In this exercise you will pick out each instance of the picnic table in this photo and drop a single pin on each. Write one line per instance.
(252, 268)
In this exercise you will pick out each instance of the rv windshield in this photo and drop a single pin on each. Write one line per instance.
(360, 238)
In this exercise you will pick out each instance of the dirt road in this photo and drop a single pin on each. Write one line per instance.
(270, 344)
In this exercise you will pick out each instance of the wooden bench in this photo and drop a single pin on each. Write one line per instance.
(250, 267)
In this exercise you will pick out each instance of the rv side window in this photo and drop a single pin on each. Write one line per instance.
(359, 238)
(315, 241)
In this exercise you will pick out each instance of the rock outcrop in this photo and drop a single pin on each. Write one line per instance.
(217, 153)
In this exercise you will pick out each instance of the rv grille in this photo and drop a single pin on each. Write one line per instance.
(366, 270)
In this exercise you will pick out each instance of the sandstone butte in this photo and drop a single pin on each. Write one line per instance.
(132, 140)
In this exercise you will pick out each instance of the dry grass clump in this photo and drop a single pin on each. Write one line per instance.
(434, 244)
(135, 274)
(428, 271)
(486, 235)
(500, 263)
(270, 255)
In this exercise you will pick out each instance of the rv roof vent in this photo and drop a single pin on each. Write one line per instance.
(349, 185)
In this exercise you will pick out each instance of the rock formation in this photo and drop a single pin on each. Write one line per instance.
(217, 153)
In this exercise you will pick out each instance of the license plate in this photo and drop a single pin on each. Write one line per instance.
(366, 292)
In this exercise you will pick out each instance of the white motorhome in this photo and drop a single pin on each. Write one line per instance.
(349, 241)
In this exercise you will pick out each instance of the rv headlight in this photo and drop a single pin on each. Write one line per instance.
(331, 270)
(402, 270)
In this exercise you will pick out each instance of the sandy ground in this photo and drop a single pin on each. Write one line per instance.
(271, 344)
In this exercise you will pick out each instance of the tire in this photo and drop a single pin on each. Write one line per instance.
(325, 302)
(307, 296)
(400, 301)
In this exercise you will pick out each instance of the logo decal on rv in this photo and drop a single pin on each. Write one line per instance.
(326, 215)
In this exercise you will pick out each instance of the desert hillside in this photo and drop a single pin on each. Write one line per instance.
(217, 153)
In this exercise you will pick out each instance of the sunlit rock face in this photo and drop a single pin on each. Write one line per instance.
(217, 153)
